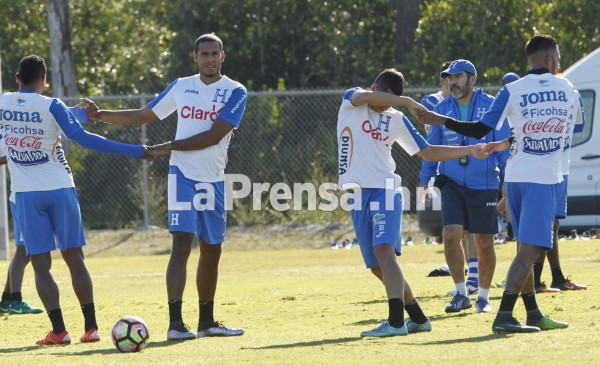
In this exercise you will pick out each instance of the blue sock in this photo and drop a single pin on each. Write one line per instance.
(473, 278)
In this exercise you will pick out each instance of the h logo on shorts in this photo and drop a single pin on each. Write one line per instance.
(175, 219)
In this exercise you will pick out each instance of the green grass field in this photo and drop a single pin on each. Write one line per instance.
(307, 307)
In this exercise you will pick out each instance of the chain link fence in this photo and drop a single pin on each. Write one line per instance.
(285, 136)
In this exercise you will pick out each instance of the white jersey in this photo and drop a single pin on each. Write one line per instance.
(31, 126)
(541, 108)
(578, 127)
(197, 106)
(365, 140)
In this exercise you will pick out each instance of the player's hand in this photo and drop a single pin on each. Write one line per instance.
(91, 108)
(415, 108)
(427, 117)
(156, 150)
(496, 146)
(479, 151)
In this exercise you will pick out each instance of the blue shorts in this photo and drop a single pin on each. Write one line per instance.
(561, 198)
(50, 220)
(474, 209)
(16, 225)
(197, 207)
(532, 210)
(376, 224)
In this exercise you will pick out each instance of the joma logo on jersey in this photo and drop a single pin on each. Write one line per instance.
(20, 116)
(544, 96)
(346, 150)
(191, 91)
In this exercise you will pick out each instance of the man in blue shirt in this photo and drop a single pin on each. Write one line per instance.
(469, 195)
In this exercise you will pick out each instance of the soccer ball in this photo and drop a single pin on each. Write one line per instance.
(130, 334)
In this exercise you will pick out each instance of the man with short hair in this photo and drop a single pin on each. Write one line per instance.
(367, 128)
(540, 107)
(45, 196)
(209, 107)
(470, 192)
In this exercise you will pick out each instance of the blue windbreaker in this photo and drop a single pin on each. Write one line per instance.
(477, 174)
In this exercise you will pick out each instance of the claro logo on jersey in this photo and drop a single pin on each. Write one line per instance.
(191, 112)
(543, 96)
(346, 150)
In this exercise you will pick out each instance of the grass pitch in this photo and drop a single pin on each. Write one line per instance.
(308, 307)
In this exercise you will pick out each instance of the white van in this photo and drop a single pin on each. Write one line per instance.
(583, 204)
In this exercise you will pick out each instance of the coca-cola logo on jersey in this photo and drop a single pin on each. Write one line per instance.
(553, 125)
(30, 142)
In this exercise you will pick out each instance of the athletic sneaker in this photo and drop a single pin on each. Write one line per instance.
(568, 285)
(413, 327)
(90, 336)
(482, 306)
(55, 339)
(219, 330)
(543, 289)
(545, 323)
(180, 332)
(511, 325)
(471, 289)
(23, 308)
(385, 330)
(458, 303)
(4, 305)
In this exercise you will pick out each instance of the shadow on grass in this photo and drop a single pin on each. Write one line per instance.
(73, 349)
(307, 344)
(478, 339)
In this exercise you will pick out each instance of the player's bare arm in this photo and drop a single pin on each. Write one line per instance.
(131, 117)
(200, 141)
(496, 146)
(383, 99)
(443, 153)
(427, 117)
(3, 160)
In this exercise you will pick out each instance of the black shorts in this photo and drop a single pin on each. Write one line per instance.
(474, 209)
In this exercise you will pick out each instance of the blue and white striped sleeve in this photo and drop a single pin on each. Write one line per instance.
(233, 110)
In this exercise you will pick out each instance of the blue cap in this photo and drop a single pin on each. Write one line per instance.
(510, 77)
(458, 66)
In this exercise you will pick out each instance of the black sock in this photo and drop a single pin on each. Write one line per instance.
(509, 230)
(175, 311)
(396, 318)
(16, 297)
(557, 276)
(89, 315)
(508, 301)
(207, 317)
(537, 274)
(5, 296)
(415, 312)
(58, 323)
(529, 301)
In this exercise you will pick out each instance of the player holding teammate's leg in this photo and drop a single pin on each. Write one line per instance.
(534, 170)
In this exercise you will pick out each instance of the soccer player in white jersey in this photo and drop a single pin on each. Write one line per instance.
(366, 129)
(559, 282)
(209, 107)
(46, 200)
(540, 108)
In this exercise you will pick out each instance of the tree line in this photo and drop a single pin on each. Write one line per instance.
(139, 46)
